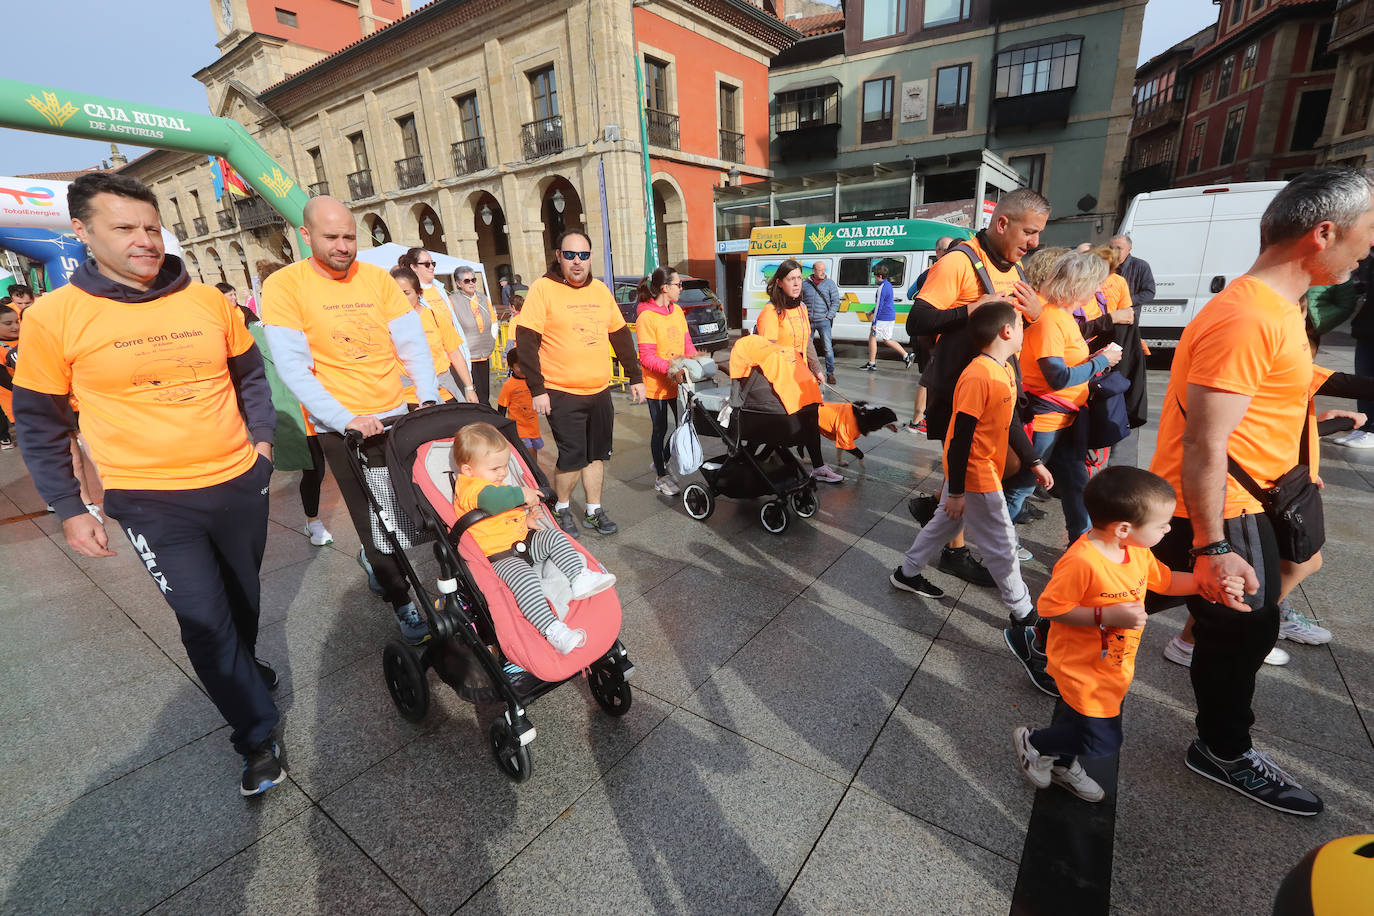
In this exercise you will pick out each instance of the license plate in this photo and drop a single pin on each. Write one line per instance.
(708, 328)
(1160, 309)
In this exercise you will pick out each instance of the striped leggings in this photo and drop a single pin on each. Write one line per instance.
(519, 573)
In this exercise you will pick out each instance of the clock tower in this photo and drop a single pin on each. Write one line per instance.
(230, 16)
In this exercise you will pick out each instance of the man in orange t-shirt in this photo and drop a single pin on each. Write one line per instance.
(161, 365)
(1240, 387)
(568, 326)
(343, 335)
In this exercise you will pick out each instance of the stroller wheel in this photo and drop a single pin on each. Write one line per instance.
(511, 756)
(406, 680)
(804, 502)
(774, 516)
(698, 502)
(610, 690)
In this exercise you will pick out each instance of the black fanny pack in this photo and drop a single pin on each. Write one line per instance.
(1293, 504)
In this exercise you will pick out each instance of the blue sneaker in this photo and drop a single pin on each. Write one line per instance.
(262, 769)
(414, 630)
(372, 584)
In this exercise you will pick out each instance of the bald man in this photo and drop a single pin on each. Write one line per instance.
(339, 331)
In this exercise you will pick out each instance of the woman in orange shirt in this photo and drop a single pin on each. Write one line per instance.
(661, 329)
(784, 321)
(1056, 367)
(450, 368)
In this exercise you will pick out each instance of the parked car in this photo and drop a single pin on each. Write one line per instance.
(705, 313)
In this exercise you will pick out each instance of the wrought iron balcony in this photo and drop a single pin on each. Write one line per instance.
(1169, 113)
(731, 146)
(543, 137)
(319, 189)
(1354, 21)
(360, 184)
(179, 230)
(256, 212)
(663, 128)
(410, 172)
(469, 156)
(226, 219)
(199, 227)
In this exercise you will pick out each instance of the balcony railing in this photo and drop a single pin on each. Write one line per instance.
(179, 230)
(731, 145)
(469, 156)
(256, 212)
(199, 227)
(809, 141)
(663, 129)
(360, 184)
(1168, 113)
(1034, 109)
(543, 137)
(319, 189)
(226, 219)
(1354, 21)
(410, 172)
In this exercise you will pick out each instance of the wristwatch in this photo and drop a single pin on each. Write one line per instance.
(1214, 549)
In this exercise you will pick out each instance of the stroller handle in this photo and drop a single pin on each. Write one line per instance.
(356, 438)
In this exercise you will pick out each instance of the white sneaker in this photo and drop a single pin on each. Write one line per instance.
(319, 535)
(1035, 767)
(1360, 438)
(1076, 780)
(1298, 627)
(1277, 657)
(667, 486)
(1179, 652)
(564, 639)
(826, 475)
(588, 583)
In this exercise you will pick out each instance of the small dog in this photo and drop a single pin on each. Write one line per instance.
(844, 424)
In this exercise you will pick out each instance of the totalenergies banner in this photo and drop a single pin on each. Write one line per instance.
(29, 204)
(46, 109)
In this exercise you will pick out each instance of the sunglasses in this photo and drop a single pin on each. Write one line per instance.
(429, 264)
(576, 255)
(468, 280)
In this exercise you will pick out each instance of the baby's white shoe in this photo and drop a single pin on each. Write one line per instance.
(564, 639)
(588, 583)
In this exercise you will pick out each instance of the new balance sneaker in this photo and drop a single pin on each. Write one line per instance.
(1297, 627)
(1036, 767)
(826, 475)
(1181, 653)
(589, 582)
(318, 533)
(412, 624)
(567, 522)
(372, 584)
(667, 486)
(600, 522)
(922, 507)
(563, 638)
(1360, 438)
(1021, 642)
(1255, 776)
(869, 367)
(909, 359)
(268, 674)
(1076, 780)
(917, 584)
(262, 769)
(957, 561)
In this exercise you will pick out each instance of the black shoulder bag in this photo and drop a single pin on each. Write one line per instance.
(1293, 504)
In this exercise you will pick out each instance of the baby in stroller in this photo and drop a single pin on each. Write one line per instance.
(510, 538)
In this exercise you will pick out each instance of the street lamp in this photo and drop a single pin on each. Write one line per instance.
(558, 202)
(486, 214)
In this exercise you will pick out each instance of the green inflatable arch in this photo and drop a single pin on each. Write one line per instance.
(28, 106)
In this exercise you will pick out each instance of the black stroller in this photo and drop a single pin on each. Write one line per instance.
(758, 462)
(472, 603)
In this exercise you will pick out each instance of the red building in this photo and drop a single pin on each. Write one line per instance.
(1258, 93)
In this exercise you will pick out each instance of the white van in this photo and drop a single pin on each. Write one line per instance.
(1196, 241)
(849, 251)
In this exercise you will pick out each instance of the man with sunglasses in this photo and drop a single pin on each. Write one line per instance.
(568, 319)
(477, 323)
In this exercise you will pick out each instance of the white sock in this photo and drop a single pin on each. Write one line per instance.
(592, 507)
(559, 507)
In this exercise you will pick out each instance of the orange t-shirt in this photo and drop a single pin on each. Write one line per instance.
(838, 424)
(346, 324)
(792, 329)
(1094, 685)
(442, 337)
(1248, 340)
(575, 323)
(1117, 292)
(158, 407)
(669, 334)
(986, 390)
(515, 397)
(1055, 334)
(494, 534)
(952, 281)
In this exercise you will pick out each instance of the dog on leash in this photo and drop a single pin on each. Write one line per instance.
(845, 423)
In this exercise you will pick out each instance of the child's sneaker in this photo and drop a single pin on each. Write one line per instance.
(262, 769)
(667, 486)
(319, 535)
(412, 625)
(372, 584)
(1037, 769)
(1077, 781)
(588, 583)
(1021, 641)
(564, 639)
(1179, 652)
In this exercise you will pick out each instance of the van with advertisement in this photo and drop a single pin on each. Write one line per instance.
(1196, 241)
(850, 252)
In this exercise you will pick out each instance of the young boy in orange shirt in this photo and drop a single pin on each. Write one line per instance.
(1095, 604)
(516, 402)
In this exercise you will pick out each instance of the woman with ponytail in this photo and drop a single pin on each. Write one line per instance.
(662, 331)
